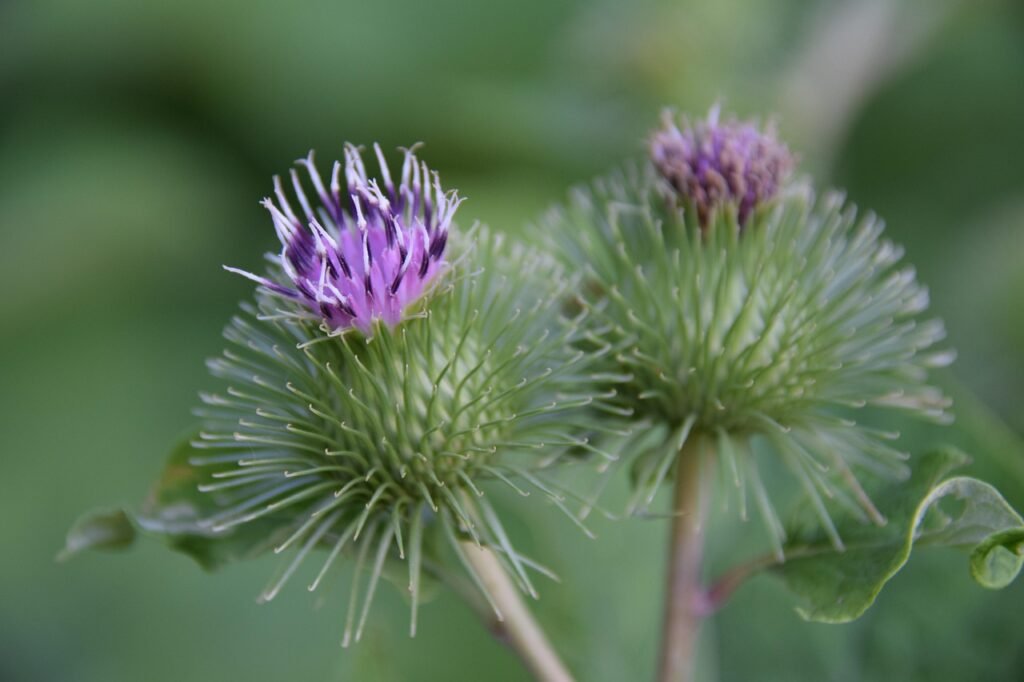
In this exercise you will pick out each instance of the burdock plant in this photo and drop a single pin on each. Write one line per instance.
(393, 374)
(754, 322)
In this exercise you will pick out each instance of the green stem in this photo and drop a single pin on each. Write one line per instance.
(513, 624)
(684, 593)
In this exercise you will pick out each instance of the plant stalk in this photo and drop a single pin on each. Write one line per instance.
(684, 592)
(513, 624)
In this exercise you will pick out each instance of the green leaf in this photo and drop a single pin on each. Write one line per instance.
(927, 510)
(173, 512)
(106, 529)
(996, 561)
(175, 508)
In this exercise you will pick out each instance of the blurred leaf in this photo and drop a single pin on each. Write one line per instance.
(106, 529)
(996, 561)
(175, 509)
(173, 512)
(927, 510)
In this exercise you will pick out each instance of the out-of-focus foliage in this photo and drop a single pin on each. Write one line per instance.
(136, 139)
(929, 510)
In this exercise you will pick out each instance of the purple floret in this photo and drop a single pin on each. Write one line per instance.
(712, 163)
(364, 252)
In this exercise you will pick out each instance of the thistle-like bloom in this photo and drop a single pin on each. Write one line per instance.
(793, 333)
(389, 445)
(363, 253)
(463, 376)
(712, 164)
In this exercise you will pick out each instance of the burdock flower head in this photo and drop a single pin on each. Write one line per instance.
(364, 253)
(791, 334)
(713, 165)
(376, 394)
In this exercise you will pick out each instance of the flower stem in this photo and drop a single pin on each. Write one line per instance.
(683, 610)
(514, 625)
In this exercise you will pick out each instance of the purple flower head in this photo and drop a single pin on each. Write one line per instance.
(366, 249)
(712, 163)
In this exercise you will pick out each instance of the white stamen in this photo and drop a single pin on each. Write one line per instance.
(303, 201)
(314, 175)
(384, 171)
(283, 199)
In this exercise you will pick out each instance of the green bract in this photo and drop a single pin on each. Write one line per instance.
(779, 331)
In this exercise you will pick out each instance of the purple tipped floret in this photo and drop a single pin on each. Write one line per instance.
(712, 163)
(363, 250)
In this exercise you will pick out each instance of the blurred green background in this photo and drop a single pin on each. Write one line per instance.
(137, 137)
